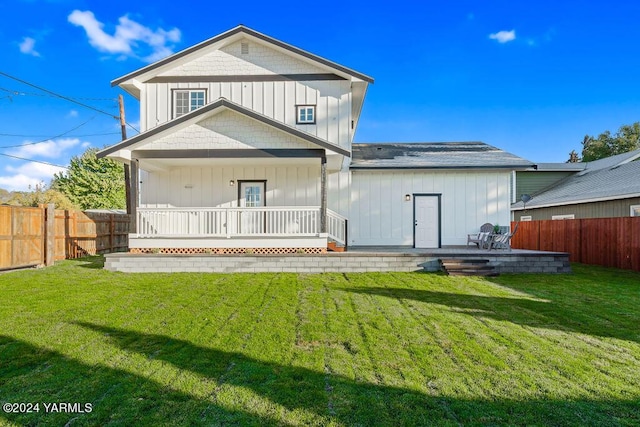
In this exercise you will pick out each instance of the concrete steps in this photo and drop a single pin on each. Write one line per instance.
(468, 267)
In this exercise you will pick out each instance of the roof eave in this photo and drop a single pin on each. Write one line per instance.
(488, 167)
(577, 202)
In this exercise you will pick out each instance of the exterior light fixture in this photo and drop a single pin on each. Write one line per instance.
(407, 197)
(232, 183)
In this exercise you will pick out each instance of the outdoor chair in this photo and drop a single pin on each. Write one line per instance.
(502, 241)
(480, 239)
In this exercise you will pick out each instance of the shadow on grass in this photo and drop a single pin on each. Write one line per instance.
(94, 262)
(32, 374)
(320, 397)
(587, 319)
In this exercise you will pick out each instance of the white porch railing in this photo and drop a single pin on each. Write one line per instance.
(337, 227)
(228, 222)
(278, 221)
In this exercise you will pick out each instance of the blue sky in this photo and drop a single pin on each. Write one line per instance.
(532, 78)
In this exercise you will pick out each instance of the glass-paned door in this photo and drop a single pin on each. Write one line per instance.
(252, 195)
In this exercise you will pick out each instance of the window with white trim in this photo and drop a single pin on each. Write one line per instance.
(526, 218)
(185, 101)
(635, 210)
(568, 216)
(306, 114)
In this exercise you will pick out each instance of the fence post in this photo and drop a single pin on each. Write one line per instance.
(50, 234)
(112, 230)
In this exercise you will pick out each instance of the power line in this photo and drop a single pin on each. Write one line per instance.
(34, 161)
(49, 139)
(65, 98)
(58, 95)
(21, 93)
(17, 135)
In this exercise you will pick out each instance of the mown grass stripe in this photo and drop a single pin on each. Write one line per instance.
(322, 349)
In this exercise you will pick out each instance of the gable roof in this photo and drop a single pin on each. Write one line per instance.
(198, 114)
(619, 181)
(241, 29)
(434, 155)
(612, 161)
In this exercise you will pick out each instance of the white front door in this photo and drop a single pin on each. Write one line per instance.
(252, 196)
(427, 221)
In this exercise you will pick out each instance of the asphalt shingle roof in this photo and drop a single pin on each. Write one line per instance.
(618, 181)
(434, 155)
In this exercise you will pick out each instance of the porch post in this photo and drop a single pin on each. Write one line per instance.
(323, 194)
(133, 202)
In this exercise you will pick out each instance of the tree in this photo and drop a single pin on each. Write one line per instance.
(40, 196)
(573, 157)
(92, 183)
(626, 139)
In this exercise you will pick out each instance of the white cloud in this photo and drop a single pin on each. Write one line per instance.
(72, 114)
(503, 36)
(27, 176)
(28, 46)
(128, 38)
(50, 149)
(19, 182)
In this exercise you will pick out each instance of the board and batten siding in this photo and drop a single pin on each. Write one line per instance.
(276, 100)
(203, 186)
(380, 215)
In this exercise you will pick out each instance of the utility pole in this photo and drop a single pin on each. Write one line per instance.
(127, 169)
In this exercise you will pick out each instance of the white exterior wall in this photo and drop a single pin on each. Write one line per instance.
(380, 215)
(228, 129)
(274, 99)
(287, 185)
(230, 61)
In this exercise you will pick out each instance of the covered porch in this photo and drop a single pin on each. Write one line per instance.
(238, 228)
(203, 201)
(225, 176)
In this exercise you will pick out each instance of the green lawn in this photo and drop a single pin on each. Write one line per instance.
(331, 349)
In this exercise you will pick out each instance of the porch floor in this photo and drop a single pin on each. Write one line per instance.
(369, 259)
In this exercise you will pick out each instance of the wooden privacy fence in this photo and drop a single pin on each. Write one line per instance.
(21, 236)
(79, 234)
(610, 242)
(38, 236)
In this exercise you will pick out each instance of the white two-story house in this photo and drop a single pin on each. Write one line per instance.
(246, 143)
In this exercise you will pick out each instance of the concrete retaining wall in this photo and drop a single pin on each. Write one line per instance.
(330, 263)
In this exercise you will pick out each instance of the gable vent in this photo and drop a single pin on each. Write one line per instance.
(244, 48)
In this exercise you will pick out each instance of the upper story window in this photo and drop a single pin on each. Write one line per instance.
(306, 114)
(635, 210)
(185, 101)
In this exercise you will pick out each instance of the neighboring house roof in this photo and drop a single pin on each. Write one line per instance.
(589, 166)
(198, 114)
(609, 162)
(619, 181)
(443, 155)
(241, 29)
